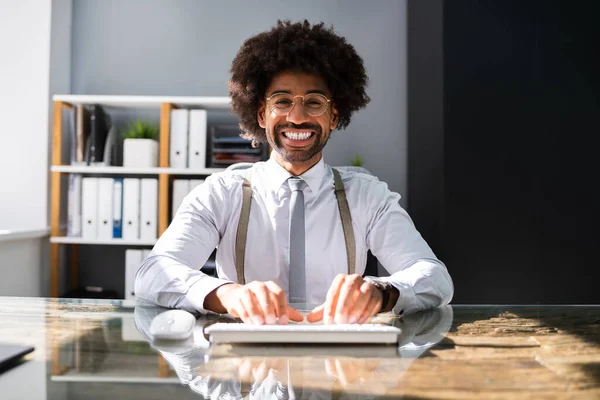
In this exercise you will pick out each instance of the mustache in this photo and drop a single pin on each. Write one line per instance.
(306, 126)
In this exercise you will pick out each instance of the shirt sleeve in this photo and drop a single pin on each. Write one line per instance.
(171, 276)
(422, 280)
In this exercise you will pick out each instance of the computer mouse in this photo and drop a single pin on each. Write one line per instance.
(172, 325)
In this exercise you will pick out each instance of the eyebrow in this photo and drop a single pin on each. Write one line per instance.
(288, 92)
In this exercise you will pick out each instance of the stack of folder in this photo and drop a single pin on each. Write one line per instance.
(187, 146)
(113, 208)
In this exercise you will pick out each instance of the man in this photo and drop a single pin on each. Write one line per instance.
(291, 87)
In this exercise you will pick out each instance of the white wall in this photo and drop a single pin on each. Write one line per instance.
(24, 94)
(29, 74)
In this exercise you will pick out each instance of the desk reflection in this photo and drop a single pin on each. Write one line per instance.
(296, 371)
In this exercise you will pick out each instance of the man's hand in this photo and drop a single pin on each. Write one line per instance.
(254, 303)
(350, 300)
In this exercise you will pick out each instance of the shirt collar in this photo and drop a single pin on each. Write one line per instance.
(278, 175)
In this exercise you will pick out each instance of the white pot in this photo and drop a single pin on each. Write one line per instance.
(140, 153)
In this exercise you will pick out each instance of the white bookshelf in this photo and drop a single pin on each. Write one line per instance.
(210, 103)
(163, 173)
(90, 170)
(118, 242)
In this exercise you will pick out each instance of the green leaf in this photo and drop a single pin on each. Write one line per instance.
(141, 130)
(357, 162)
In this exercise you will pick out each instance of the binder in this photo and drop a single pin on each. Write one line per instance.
(178, 142)
(99, 127)
(133, 260)
(148, 208)
(105, 208)
(82, 133)
(72, 113)
(131, 208)
(197, 139)
(181, 187)
(74, 206)
(117, 208)
(89, 208)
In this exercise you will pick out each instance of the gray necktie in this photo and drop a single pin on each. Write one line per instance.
(297, 278)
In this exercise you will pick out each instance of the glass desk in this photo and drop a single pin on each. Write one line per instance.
(99, 349)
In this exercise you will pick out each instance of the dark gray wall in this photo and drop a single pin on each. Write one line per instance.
(185, 48)
(512, 205)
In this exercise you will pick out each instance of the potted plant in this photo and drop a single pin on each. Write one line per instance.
(140, 147)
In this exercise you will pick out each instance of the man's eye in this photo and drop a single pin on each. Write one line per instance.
(283, 102)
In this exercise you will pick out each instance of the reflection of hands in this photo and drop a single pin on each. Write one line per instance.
(257, 303)
(350, 370)
(256, 370)
(350, 300)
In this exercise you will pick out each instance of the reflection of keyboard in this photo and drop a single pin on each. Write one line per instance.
(303, 333)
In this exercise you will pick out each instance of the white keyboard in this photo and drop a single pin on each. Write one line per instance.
(303, 333)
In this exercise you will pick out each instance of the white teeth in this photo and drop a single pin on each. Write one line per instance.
(297, 135)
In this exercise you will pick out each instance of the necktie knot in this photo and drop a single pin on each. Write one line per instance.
(296, 184)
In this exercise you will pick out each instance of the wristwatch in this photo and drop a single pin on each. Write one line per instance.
(386, 289)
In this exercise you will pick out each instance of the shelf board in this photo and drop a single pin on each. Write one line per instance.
(76, 169)
(10, 235)
(214, 102)
(78, 240)
(112, 379)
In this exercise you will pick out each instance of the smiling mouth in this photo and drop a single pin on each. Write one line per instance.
(298, 136)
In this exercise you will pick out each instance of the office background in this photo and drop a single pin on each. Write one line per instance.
(481, 117)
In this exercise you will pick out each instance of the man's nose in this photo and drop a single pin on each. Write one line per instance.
(298, 114)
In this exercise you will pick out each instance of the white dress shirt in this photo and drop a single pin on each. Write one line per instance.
(208, 218)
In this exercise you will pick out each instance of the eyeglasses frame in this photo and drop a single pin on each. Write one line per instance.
(305, 110)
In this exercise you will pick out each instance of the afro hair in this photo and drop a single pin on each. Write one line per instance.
(297, 47)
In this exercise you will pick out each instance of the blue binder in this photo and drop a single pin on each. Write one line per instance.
(118, 208)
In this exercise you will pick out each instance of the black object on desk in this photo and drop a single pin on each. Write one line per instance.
(10, 354)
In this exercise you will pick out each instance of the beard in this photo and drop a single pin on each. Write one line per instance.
(300, 154)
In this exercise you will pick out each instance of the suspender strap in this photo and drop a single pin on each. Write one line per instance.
(340, 195)
(242, 230)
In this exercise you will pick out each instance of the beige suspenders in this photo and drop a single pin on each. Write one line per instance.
(242, 229)
(340, 195)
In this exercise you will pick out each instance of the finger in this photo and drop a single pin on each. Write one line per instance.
(294, 314)
(347, 298)
(332, 298)
(339, 366)
(372, 308)
(316, 314)
(361, 308)
(330, 368)
(245, 370)
(260, 372)
(252, 306)
(263, 296)
(280, 302)
(239, 310)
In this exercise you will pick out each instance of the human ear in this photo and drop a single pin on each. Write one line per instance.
(261, 116)
(335, 118)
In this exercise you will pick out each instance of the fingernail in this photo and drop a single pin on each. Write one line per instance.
(271, 319)
(352, 319)
(283, 319)
(258, 320)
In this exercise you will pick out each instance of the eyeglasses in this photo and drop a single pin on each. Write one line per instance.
(314, 104)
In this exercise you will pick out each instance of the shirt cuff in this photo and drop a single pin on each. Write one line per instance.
(406, 302)
(194, 299)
